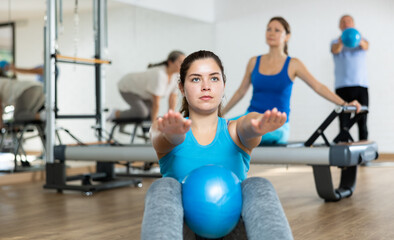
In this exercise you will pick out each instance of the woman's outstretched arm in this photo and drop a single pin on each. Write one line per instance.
(251, 127)
(168, 131)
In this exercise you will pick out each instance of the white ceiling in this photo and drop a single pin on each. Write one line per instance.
(203, 10)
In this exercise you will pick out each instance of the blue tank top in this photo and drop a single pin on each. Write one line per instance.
(271, 91)
(190, 155)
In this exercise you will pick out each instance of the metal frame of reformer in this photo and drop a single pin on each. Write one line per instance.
(56, 171)
(346, 156)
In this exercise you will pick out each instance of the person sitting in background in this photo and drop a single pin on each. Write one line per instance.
(27, 97)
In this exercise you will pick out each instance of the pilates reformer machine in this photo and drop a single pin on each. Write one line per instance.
(345, 155)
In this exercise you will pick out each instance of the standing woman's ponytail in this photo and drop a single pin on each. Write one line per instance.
(172, 57)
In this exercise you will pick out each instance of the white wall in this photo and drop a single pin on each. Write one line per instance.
(240, 34)
(202, 10)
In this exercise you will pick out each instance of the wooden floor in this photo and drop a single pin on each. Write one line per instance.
(27, 211)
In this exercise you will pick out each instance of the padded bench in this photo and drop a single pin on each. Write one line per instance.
(142, 123)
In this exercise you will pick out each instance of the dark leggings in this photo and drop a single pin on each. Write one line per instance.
(361, 95)
(139, 108)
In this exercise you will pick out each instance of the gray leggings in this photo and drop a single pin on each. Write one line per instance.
(139, 108)
(262, 213)
(29, 103)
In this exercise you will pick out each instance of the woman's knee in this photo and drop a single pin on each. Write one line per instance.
(165, 188)
(257, 189)
(145, 112)
(167, 184)
(250, 184)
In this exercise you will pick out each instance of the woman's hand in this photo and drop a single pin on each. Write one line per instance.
(268, 121)
(173, 127)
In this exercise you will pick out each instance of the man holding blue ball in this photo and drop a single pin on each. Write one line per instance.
(351, 82)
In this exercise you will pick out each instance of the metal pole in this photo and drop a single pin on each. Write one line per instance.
(49, 64)
(99, 12)
(56, 21)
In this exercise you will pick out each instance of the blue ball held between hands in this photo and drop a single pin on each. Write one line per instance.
(351, 37)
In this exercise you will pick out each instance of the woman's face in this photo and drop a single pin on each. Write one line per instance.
(204, 86)
(276, 34)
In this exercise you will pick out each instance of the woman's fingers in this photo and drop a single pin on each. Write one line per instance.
(173, 123)
(269, 121)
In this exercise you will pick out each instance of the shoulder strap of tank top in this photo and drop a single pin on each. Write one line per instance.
(256, 66)
(222, 123)
(286, 66)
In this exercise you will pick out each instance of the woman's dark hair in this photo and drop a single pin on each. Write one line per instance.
(172, 57)
(286, 25)
(202, 54)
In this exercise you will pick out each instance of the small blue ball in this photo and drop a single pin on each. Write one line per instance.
(351, 37)
(212, 201)
(3, 63)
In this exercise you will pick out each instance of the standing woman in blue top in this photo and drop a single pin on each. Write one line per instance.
(351, 75)
(272, 76)
(201, 137)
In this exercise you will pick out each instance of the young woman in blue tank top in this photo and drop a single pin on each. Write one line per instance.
(201, 137)
(272, 76)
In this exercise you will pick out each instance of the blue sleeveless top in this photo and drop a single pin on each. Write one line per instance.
(271, 91)
(190, 155)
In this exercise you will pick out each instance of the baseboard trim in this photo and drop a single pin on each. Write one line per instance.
(386, 157)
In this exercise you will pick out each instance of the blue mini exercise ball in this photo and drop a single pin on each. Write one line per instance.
(351, 37)
(3, 63)
(212, 201)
